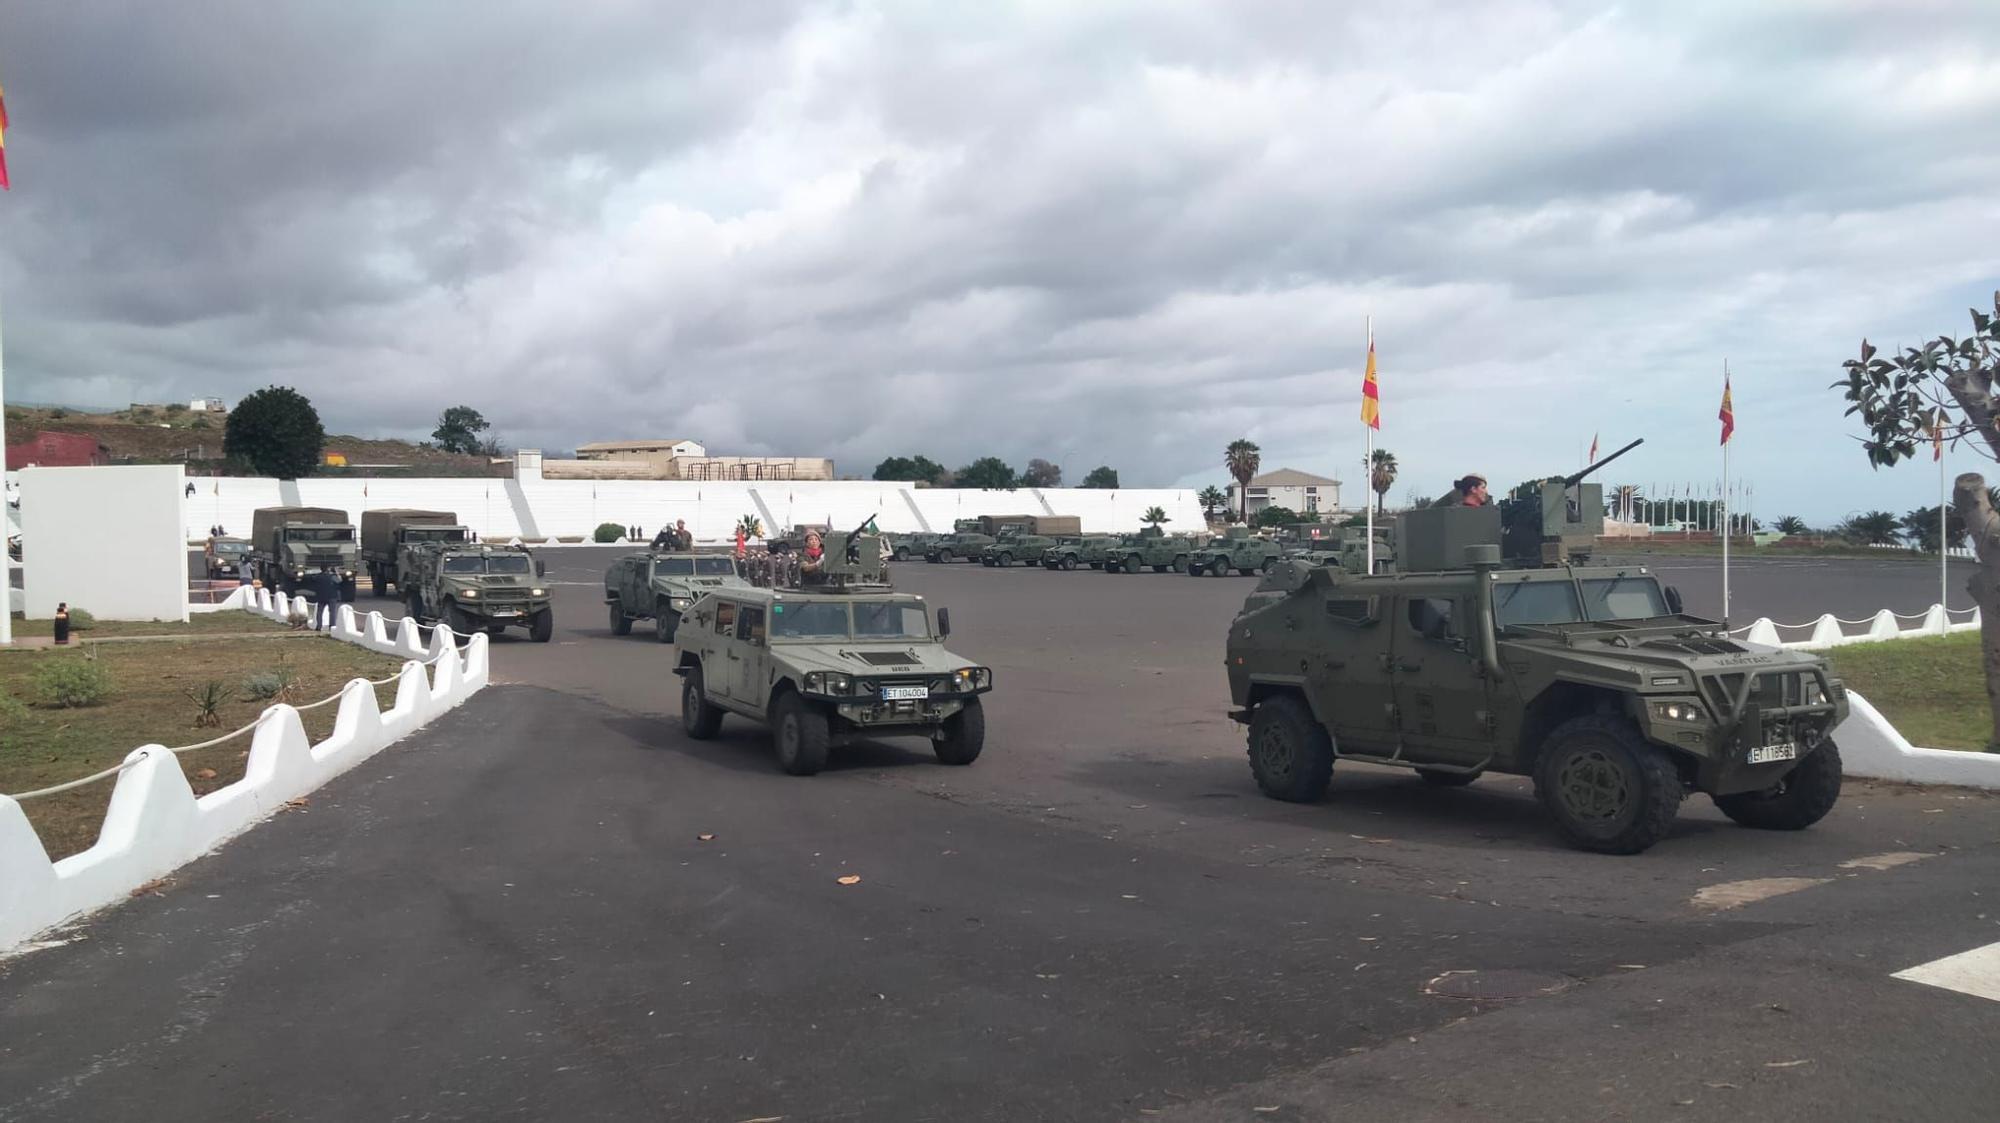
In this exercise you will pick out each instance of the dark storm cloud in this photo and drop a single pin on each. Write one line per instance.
(1117, 233)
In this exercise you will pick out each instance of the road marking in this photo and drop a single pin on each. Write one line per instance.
(1731, 894)
(1975, 972)
(1887, 861)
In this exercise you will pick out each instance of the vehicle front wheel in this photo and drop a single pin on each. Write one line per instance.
(1006, 560)
(902, 553)
(459, 621)
(1607, 789)
(944, 557)
(544, 627)
(665, 620)
(698, 718)
(1291, 754)
(1219, 567)
(1069, 561)
(1794, 803)
(800, 735)
(964, 735)
(1132, 564)
(621, 624)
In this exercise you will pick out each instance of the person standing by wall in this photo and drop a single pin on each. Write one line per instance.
(326, 598)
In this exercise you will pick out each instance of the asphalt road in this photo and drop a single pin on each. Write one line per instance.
(513, 915)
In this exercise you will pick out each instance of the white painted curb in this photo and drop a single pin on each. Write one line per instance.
(155, 824)
(1871, 747)
(1828, 630)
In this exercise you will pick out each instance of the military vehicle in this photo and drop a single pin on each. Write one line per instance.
(1350, 552)
(794, 539)
(1069, 551)
(1024, 548)
(224, 557)
(964, 544)
(1150, 547)
(659, 587)
(1237, 550)
(469, 587)
(838, 657)
(1099, 547)
(289, 543)
(386, 532)
(1497, 650)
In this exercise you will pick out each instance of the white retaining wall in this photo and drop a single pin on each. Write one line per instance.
(1870, 746)
(1830, 631)
(155, 823)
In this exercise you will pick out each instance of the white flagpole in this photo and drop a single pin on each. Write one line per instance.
(1724, 500)
(1944, 542)
(1368, 461)
(6, 563)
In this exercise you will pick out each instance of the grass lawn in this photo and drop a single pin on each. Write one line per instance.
(42, 745)
(227, 622)
(1931, 689)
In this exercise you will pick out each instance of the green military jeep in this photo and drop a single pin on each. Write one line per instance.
(471, 588)
(659, 587)
(1238, 550)
(1150, 547)
(1069, 551)
(1008, 549)
(826, 663)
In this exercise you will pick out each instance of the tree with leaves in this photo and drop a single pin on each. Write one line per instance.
(1920, 529)
(1790, 525)
(1103, 476)
(1212, 500)
(1276, 516)
(751, 527)
(1041, 473)
(458, 430)
(987, 472)
(916, 469)
(1943, 391)
(1242, 458)
(276, 432)
(1381, 476)
(1874, 528)
(1154, 516)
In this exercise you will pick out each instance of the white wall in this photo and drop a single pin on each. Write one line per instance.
(106, 539)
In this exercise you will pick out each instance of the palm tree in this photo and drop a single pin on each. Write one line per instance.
(1154, 516)
(1790, 525)
(1212, 500)
(1242, 458)
(750, 526)
(1381, 475)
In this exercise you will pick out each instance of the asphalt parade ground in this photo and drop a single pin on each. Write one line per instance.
(516, 914)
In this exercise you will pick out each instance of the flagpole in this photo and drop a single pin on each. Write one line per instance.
(1724, 500)
(1944, 540)
(1368, 464)
(6, 563)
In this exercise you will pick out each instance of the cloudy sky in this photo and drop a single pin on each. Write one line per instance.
(1109, 232)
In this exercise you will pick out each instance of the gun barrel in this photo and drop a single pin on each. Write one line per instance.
(1577, 478)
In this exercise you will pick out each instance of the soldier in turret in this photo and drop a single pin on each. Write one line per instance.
(1468, 491)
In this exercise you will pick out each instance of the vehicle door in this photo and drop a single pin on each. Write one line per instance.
(753, 669)
(1354, 683)
(724, 666)
(1443, 711)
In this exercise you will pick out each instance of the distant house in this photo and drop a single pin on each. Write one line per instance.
(336, 459)
(207, 405)
(1291, 489)
(656, 451)
(57, 450)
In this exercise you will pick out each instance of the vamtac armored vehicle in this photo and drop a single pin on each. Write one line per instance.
(660, 587)
(1497, 650)
(1239, 551)
(1151, 547)
(1008, 549)
(837, 657)
(1072, 551)
(472, 587)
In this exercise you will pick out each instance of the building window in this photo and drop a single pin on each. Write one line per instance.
(1312, 491)
(1256, 491)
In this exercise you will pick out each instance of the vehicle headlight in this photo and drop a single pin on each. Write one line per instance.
(677, 602)
(538, 592)
(828, 682)
(1680, 710)
(470, 594)
(973, 678)
(1814, 696)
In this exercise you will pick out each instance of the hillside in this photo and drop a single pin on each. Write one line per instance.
(171, 435)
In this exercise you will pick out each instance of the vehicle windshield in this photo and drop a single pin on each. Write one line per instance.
(1556, 602)
(499, 563)
(232, 547)
(319, 534)
(872, 620)
(690, 567)
(1623, 598)
(809, 621)
(439, 534)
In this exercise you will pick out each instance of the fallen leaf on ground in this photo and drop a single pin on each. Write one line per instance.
(301, 801)
(205, 774)
(1787, 1064)
(850, 879)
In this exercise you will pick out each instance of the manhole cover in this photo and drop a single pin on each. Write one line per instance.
(1495, 986)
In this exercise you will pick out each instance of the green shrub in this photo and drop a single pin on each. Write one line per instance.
(70, 682)
(609, 532)
(81, 620)
(11, 710)
(177, 407)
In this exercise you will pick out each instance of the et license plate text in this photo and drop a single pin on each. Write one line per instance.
(904, 693)
(1764, 754)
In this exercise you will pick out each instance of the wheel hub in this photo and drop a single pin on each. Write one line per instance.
(1274, 752)
(1592, 786)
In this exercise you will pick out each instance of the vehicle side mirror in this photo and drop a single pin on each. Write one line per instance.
(1673, 600)
(541, 568)
(944, 623)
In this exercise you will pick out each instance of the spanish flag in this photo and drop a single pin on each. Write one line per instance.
(3, 141)
(1727, 415)
(1371, 395)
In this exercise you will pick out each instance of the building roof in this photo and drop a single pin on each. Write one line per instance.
(1291, 477)
(633, 446)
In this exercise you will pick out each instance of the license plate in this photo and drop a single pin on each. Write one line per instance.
(506, 612)
(1764, 754)
(904, 693)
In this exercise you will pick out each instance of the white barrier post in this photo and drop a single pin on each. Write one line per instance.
(1884, 626)
(1826, 633)
(1764, 632)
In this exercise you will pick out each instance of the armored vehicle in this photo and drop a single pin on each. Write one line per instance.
(1590, 679)
(386, 532)
(794, 539)
(903, 546)
(471, 587)
(660, 587)
(1150, 547)
(1024, 548)
(840, 656)
(288, 543)
(225, 557)
(1099, 547)
(1237, 550)
(1068, 552)
(959, 544)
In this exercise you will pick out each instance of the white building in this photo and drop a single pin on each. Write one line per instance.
(1289, 488)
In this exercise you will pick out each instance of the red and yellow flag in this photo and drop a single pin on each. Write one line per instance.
(1727, 415)
(1937, 437)
(1371, 395)
(3, 141)
(1593, 450)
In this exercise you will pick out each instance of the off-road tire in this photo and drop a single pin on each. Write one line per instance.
(1438, 779)
(621, 624)
(699, 719)
(665, 620)
(544, 627)
(1006, 561)
(1069, 562)
(1607, 789)
(1179, 563)
(1219, 567)
(944, 557)
(799, 735)
(902, 553)
(459, 621)
(1132, 564)
(1798, 801)
(1291, 754)
(964, 735)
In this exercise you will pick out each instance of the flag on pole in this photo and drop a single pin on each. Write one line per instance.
(1593, 450)
(1727, 414)
(1937, 438)
(3, 141)
(1371, 394)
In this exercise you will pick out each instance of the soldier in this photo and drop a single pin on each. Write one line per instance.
(682, 536)
(665, 540)
(813, 558)
(1469, 491)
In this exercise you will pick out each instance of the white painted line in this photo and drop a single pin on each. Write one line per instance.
(1975, 972)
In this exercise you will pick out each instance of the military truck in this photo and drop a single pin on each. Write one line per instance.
(386, 532)
(794, 539)
(840, 657)
(472, 587)
(1235, 550)
(224, 557)
(289, 543)
(1069, 550)
(1149, 547)
(1477, 658)
(659, 587)
(1024, 548)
